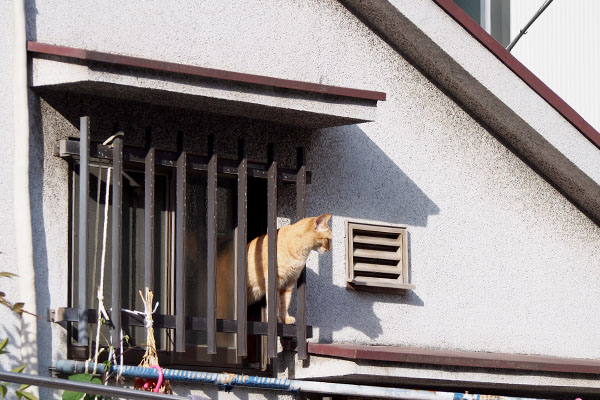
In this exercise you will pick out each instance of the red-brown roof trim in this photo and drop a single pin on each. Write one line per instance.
(522, 72)
(456, 358)
(117, 59)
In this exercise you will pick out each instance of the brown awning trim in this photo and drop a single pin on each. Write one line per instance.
(117, 59)
(456, 358)
(520, 70)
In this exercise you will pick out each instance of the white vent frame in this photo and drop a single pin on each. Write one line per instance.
(394, 264)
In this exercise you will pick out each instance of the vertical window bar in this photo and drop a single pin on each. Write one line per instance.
(117, 247)
(180, 222)
(211, 253)
(301, 288)
(272, 291)
(149, 182)
(242, 209)
(84, 151)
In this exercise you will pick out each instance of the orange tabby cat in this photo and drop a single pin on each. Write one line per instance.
(294, 244)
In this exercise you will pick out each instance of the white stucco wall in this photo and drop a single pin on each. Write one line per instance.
(9, 328)
(501, 260)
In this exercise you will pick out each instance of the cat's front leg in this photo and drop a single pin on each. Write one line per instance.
(285, 296)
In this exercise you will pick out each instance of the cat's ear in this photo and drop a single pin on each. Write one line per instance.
(321, 222)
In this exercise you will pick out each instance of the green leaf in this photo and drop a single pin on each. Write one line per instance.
(3, 390)
(27, 395)
(23, 387)
(18, 369)
(7, 274)
(3, 344)
(87, 378)
(69, 395)
(18, 307)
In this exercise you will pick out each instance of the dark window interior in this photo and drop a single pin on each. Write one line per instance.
(133, 257)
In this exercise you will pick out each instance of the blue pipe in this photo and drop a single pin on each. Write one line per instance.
(224, 381)
(228, 381)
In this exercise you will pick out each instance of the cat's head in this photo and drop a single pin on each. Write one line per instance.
(321, 233)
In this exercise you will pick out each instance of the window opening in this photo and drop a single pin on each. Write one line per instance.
(245, 192)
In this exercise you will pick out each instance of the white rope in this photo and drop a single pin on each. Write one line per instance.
(101, 309)
(113, 137)
(147, 316)
(98, 192)
(107, 371)
(100, 292)
(120, 356)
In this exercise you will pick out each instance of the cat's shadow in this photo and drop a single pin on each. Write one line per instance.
(357, 180)
(333, 307)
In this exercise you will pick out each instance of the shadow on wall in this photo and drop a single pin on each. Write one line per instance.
(332, 308)
(37, 177)
(355, 179)
(12, 358)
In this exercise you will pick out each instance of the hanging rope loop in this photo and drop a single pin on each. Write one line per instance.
(148, 321)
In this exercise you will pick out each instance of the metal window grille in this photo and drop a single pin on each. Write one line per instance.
(182, 162)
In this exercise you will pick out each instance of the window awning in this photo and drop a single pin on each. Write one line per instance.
(305, 104)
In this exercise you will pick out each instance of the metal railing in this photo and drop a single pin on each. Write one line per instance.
(183, 162)
(229, 381)
(83, 387)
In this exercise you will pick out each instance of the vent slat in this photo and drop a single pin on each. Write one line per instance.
(384, 255)
(379, 268)
(377, 240)
(379, 282)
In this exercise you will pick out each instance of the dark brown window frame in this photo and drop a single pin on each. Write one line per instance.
(182, 162)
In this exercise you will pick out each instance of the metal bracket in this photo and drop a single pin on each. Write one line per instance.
(58, 316)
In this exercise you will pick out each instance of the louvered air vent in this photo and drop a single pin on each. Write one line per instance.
(377, 257)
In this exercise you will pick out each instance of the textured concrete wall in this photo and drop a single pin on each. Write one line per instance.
(10, 326)
(501, 261)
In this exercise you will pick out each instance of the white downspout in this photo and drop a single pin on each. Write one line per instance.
(22, 210)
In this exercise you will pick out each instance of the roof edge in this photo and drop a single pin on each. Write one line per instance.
(457, 358)
(164, 66)
(520, 70)
(571, 175)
